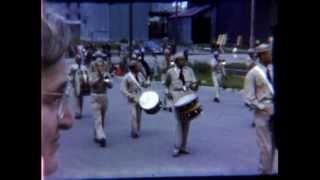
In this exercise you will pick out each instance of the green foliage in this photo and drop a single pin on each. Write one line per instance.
(233, 81)
(124, 40)
(237, 66)
(203, 73)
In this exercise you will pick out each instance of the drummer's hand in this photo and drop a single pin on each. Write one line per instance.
(169, 95)
(268, 110)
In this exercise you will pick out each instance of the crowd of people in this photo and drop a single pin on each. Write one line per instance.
(92, 75)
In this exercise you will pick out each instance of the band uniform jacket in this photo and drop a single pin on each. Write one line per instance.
(74, 76)
(175, 85)
(217, 67)
(98, 85)
(131, 88)
(258, 91)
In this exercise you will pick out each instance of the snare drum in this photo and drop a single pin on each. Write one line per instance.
(188, 107)
(149, 101)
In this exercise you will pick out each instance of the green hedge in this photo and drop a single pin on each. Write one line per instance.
(237, 66)
(203, 73)
(233, 81)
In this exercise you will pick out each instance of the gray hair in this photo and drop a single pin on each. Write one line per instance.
(55, 39)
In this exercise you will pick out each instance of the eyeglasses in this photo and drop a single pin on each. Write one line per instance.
(60, 102)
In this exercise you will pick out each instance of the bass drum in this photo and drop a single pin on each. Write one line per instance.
(149, 101)
(188, 107)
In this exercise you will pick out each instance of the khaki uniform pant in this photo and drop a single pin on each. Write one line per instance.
(265, 142)
(136, 118)
(182, 131)
(216, 78)
(99, 107)
(79, 104)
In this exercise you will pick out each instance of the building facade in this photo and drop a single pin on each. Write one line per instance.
(104, 21)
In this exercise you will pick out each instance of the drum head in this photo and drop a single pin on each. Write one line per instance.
(149, 100)
(185, 100)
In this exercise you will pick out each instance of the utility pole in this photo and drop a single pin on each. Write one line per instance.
(252, 14)
(130, 29)
(176, 25)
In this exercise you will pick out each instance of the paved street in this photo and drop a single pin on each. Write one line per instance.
(221, 142)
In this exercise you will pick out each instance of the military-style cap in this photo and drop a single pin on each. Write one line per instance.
(77, 56)
(99, 60)
(263, 48)
(134, 56)
(133, 63)
(179, 55)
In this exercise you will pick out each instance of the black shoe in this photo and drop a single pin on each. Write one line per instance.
(78, 116)
(176, 153)
(170, 109)
(164, 108)
(216, 100)
(102, 142)
(134, 135)
(253, 125)
(184, 151)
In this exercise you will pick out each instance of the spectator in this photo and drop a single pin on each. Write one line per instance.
(56, 115)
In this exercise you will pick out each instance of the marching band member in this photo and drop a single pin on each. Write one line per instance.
(253, 57)
(218, 72)
(258, 91)
(131, 86)
(100, 80)
(166, 64)
(78, 76)
(179, 81)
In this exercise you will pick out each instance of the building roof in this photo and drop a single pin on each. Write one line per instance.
(191, 12)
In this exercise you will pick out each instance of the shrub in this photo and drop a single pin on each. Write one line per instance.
(237, 66)
(124, 40)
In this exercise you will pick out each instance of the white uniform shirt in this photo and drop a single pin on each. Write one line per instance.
(258, 91)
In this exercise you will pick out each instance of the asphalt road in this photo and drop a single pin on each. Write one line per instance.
(221, 142)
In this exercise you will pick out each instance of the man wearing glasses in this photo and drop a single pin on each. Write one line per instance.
(55, 113)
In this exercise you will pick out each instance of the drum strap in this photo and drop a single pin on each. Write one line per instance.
(135, 80)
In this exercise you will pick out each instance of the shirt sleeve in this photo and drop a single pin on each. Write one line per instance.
(124, 87)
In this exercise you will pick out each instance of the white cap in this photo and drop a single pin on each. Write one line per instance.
(134, 56)
(179, 55)
(263, 48)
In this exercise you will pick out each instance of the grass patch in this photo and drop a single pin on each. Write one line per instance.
(203, 73)
(233, 81)
(115, 46)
